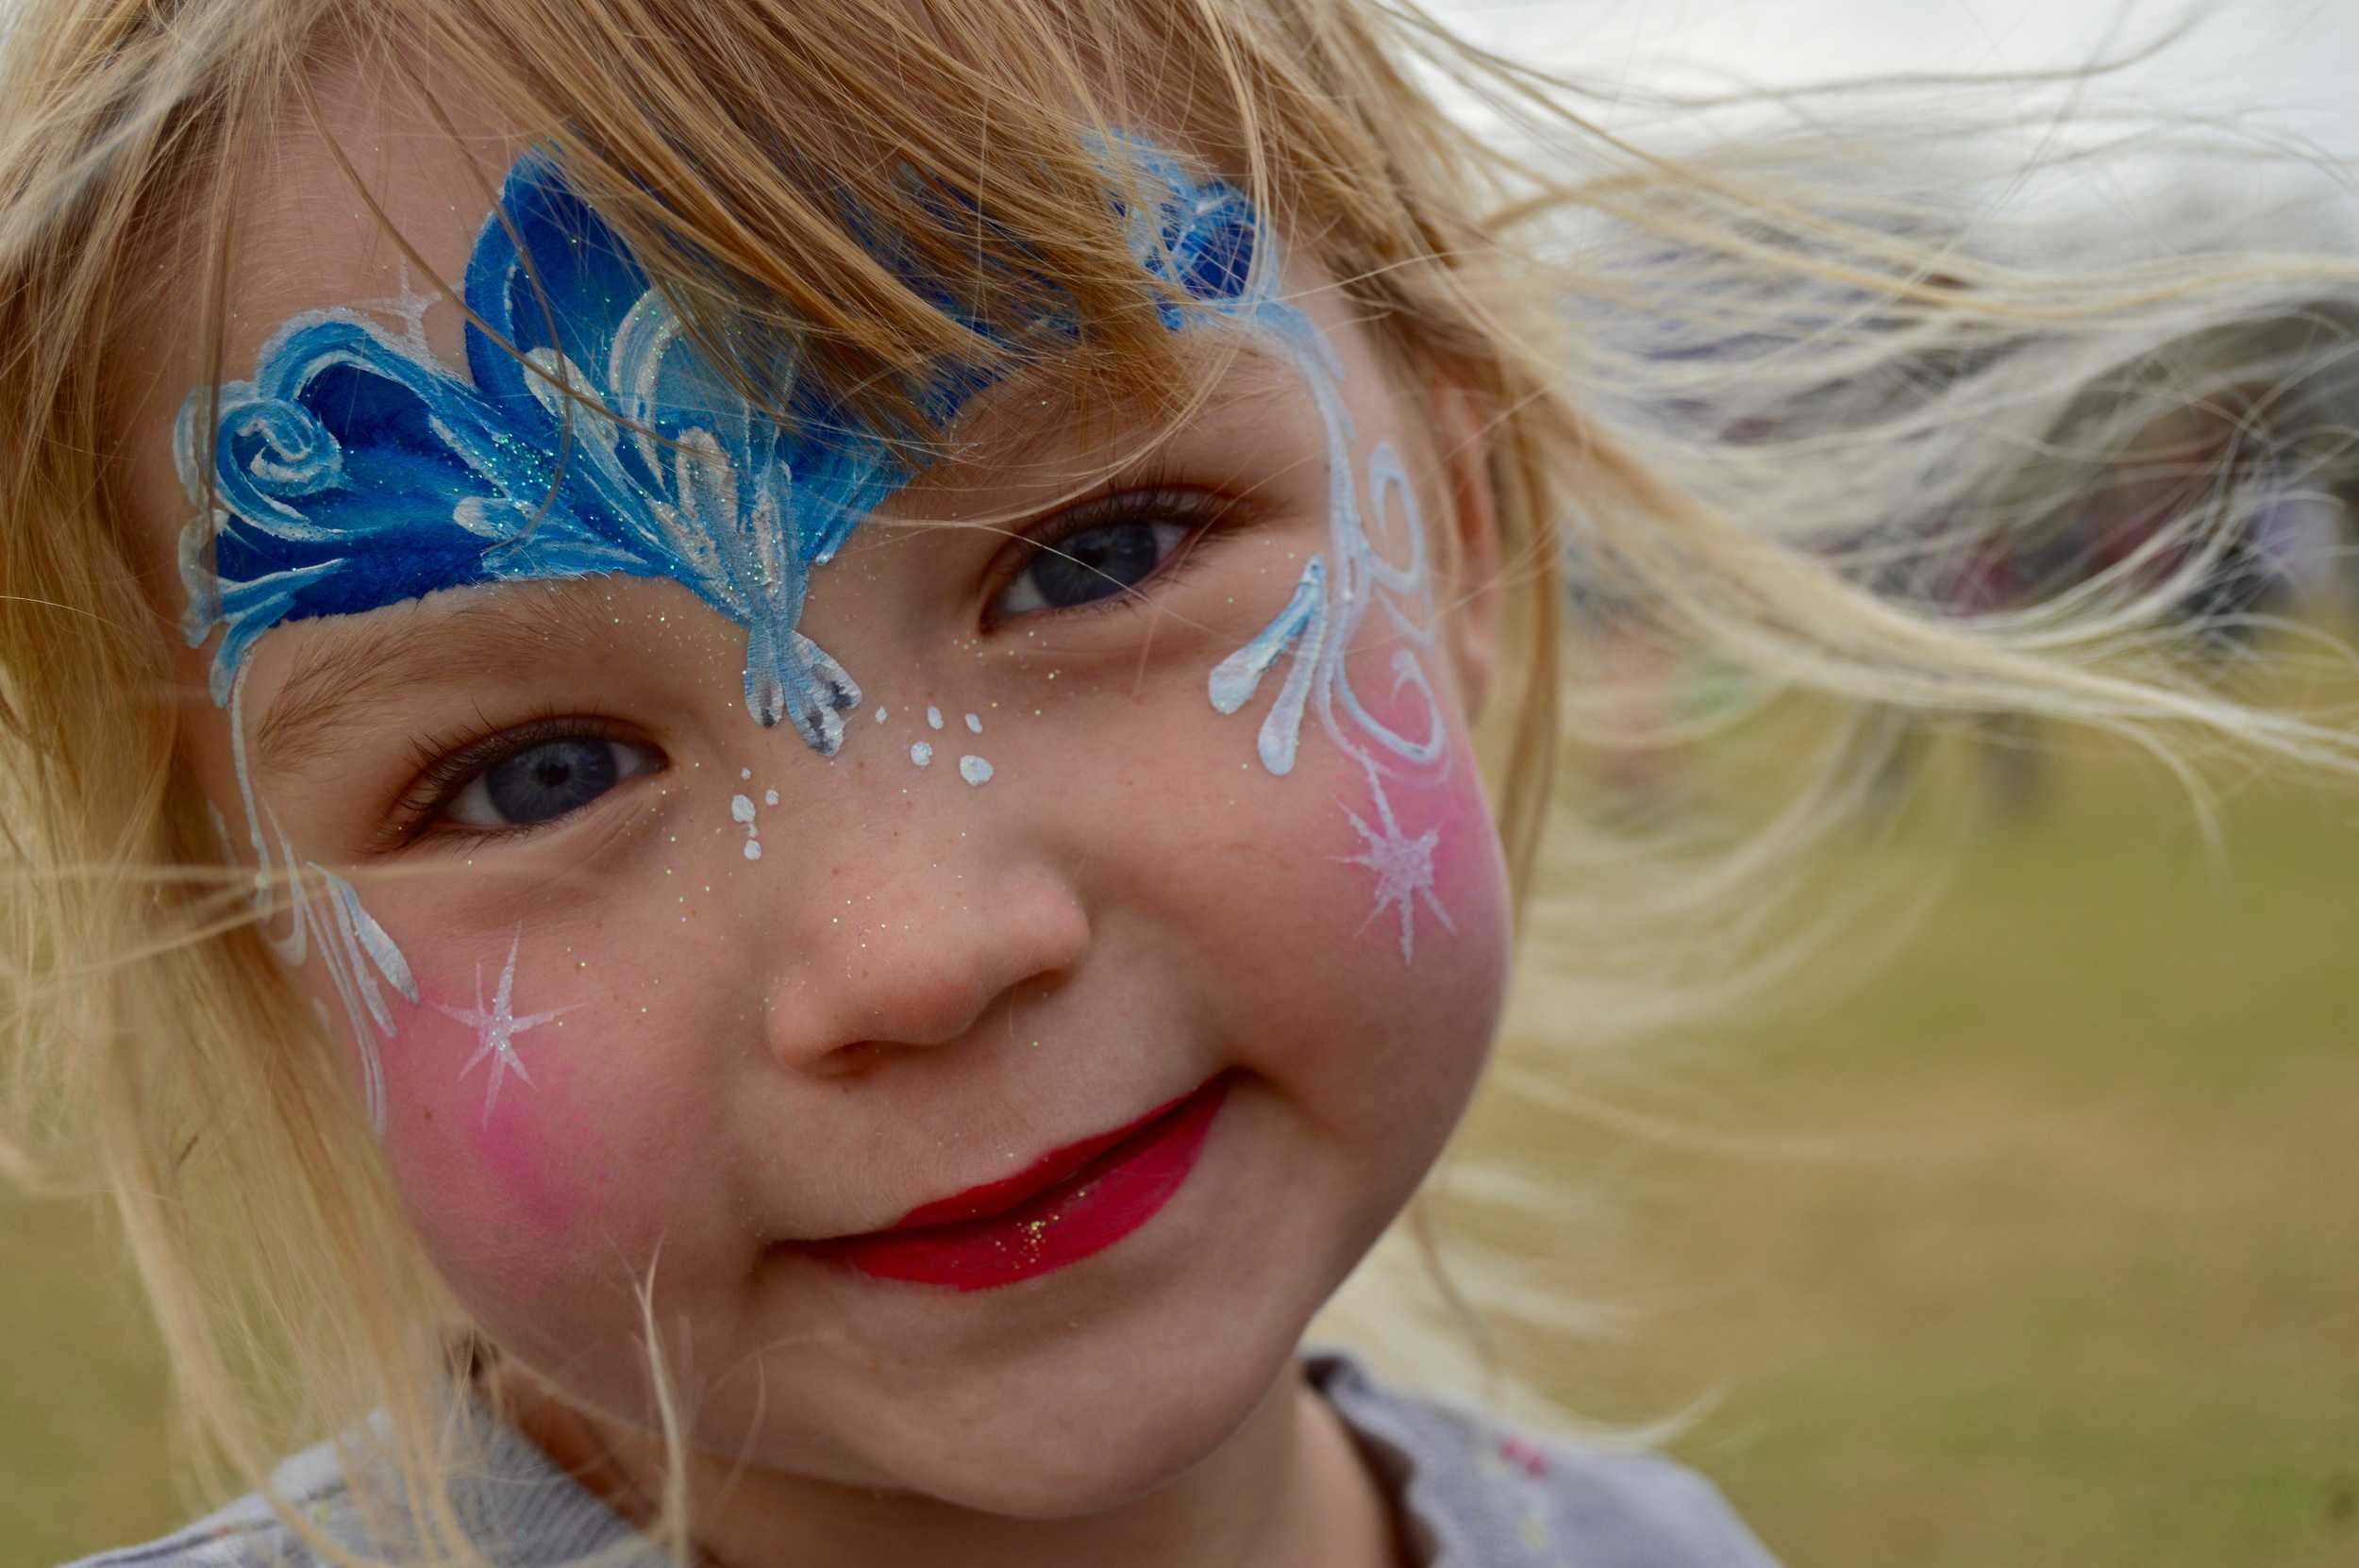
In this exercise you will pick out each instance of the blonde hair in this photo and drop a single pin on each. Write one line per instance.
(1766, 399)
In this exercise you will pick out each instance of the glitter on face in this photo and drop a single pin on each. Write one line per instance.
(354, 949)
(1317, 628)
(588, 436)
(1404, 870)
(585, 437)
(974, 769)
(497, 1025)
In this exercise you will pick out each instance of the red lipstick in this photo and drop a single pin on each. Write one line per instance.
(1073, 1202)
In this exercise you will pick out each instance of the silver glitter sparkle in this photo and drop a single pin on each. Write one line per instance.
(497, 1026)
(1404, 870)
(1374, 561)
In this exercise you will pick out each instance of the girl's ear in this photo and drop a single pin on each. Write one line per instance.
(1466, 555)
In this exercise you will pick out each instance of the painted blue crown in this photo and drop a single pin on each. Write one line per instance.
(354, 471)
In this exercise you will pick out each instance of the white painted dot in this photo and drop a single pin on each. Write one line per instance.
(921, 754)
(753, 849)
(769, 798)
(745, 772)
(741, 809)
(933, 716)
(974, 724)
(974, 770)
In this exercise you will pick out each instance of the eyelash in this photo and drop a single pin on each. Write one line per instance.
(1155, 495)
(444, 766)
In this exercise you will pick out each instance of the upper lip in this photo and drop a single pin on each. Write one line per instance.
(982, 1201)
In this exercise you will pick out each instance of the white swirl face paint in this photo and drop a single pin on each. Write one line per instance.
(353, 947)
(1301, 628)
(1316, 629)
(585, 439)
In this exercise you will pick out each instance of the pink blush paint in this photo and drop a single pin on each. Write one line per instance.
(1423, 849)
(509, 1171)
(1469, 869)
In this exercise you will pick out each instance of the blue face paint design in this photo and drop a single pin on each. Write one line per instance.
(354, 471)
(1319, 624)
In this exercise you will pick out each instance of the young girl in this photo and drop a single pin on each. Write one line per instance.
(739, 733)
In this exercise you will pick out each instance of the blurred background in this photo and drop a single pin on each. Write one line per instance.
(2039, 1246)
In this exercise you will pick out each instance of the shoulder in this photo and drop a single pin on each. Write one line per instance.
(517, 1508)
(247, 1533)
(1476, 1495)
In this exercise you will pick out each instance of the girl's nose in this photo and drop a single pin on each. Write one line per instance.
(923, 961)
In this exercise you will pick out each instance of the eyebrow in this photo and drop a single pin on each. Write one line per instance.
(334, 684)
(369, 660)
(1002, 438)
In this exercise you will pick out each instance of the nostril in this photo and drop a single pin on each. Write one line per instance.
(852, 1060)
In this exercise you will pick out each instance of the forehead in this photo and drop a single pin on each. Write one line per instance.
(582, 430)
(380, 192)
(367, 208)
(375, 191)
(370, 203)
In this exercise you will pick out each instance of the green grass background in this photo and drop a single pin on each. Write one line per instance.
(2044, 1250)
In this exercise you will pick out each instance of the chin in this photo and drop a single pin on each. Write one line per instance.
(1080, 1426)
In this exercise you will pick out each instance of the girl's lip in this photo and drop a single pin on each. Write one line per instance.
(1068, 1205)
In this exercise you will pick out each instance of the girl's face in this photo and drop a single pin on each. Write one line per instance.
(983, 1100)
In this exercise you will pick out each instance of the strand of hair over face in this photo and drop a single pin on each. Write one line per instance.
(1765, 401)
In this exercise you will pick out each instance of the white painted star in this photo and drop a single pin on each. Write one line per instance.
(497, 1026)
(1404, 870)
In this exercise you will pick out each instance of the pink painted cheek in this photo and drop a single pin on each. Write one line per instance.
(495, 1180)
(1389, 1043)
(1469, 870)
(1446, 800)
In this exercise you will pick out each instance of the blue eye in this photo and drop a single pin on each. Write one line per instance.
(1094, 563)
(543, 781)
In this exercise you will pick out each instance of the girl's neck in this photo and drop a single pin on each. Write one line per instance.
(1291, 1486)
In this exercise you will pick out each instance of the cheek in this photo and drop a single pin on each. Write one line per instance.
(1469, 872)
(1458, 893)
(524, 1188)
(1413, 911)
(521, 1160)
(1382, 942)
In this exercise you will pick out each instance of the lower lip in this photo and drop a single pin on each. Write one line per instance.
(1097, 1207)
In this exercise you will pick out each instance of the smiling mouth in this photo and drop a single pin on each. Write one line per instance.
(1071, 1204)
